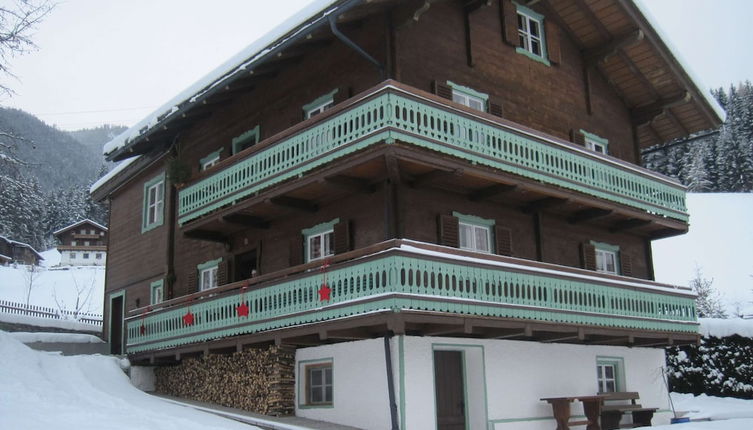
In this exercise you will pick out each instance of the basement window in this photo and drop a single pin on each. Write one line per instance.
(531, 34)
(316, 389)
(610, 374)
(319, 105)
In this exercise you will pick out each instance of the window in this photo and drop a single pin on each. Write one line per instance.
(468, 97)
(610, 374)
(98, 256)
(319, 384)
(73, 255)
(73, 243)
(86, 243)
(208, 274)
(320, 240)
(594, 142)
(154, 203)
(91, 231)
(210, 160)
(319, 105)
(156, 289)
(83, 231)
(531, 34)
(245, 140)
(607, 257)
(475, 233)
(86, 255)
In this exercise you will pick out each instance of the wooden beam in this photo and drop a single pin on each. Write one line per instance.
(588, 215)
(393, 168)
(206, 235)
(545, 203)
(665, 232)
(594, 20)
(602, 53)
(356, 185)
(645, 114)
(294, 203)
(491, 191)
(628, 225)
(433, 176)
(246, 220)
(673, 119)
(638, 74)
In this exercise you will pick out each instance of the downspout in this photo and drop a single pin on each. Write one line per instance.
(390, 382)
(336, 31)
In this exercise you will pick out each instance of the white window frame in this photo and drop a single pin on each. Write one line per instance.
(210, 280)
(320, 105)
(617, 380)
(154, 203)
(327, 239)
(605, 252)
(324, 369)
(210, 162)
(465, 96)
(157, 292)
(474, 224)
(526, 17)
(595, 143)
(73, 243)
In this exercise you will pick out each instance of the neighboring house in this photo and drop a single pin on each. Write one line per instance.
(82, 244)
(420, 214)
(12, 251)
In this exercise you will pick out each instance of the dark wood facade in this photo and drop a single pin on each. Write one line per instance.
(12, 251)
(398, 190)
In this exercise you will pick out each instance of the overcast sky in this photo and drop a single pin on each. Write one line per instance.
(106, 61)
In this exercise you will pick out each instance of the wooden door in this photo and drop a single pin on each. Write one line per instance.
(245, 265)
(450, 392)
(116, 325)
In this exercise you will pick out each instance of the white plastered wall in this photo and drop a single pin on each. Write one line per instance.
(66, 260)
(504, 380)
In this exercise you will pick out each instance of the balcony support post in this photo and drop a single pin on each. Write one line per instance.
(390, 381)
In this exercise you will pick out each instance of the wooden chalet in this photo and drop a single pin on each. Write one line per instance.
(83, 243)
(12, 251)
(433, 208)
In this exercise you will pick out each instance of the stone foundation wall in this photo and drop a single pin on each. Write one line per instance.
(256, 380)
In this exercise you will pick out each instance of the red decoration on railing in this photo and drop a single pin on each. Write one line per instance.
(188, 318)
(242, 309)
(142, 329)
(324, 291)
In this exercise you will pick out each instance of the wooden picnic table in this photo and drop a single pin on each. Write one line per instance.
(591, 408)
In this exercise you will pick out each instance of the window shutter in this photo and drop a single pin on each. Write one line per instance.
(510, 22)
(342, 94)
(342, 237)
(222, 271)
(553, 48)
(296, 250)
(191, 282)
(449, 231)
(503, 240)
(588, 256)
(442, 90)
(577, 137)
(495, 108)
(626, 262)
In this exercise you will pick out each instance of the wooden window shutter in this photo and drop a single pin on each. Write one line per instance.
(495, 108)
(295, 257)
(626, 263)
(222, 272)
(588, 256)
(441, 89)
(449, 231)
(191, 281)
(503, 240)
(577, 137)
(342, 237)
(553, 48)
(510, 23)
(342, 94)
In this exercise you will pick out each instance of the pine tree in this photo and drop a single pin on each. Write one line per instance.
(708, 302)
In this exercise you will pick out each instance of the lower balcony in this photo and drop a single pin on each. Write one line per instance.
(408, 287)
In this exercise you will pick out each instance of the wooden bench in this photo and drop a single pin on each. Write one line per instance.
(611, 412)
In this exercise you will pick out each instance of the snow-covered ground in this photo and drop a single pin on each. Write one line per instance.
(720, 243)
(55, 287)
(42, 391)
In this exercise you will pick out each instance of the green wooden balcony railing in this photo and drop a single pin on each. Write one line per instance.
(391, 114)
(399, 280)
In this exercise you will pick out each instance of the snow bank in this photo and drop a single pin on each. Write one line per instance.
(55, 337)
(726, 327)
(40, 391)
(51, 258)
(713, 408)
(49, 322)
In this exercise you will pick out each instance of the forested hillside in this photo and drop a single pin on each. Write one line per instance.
(715, 160)
(45, 174)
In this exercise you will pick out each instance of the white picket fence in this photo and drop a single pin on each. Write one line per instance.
(14, 308)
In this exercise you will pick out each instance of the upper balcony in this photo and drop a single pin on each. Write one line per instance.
(393, 115)
(413, 287)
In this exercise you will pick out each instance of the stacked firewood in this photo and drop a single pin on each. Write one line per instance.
(256, 380)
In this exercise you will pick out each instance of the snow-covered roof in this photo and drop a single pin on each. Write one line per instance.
(74, 225)
(112, 173)
(22, 245)
(5, 257)
(240, 62)
(718, 327)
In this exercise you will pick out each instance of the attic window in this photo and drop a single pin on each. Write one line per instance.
(531, 34)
